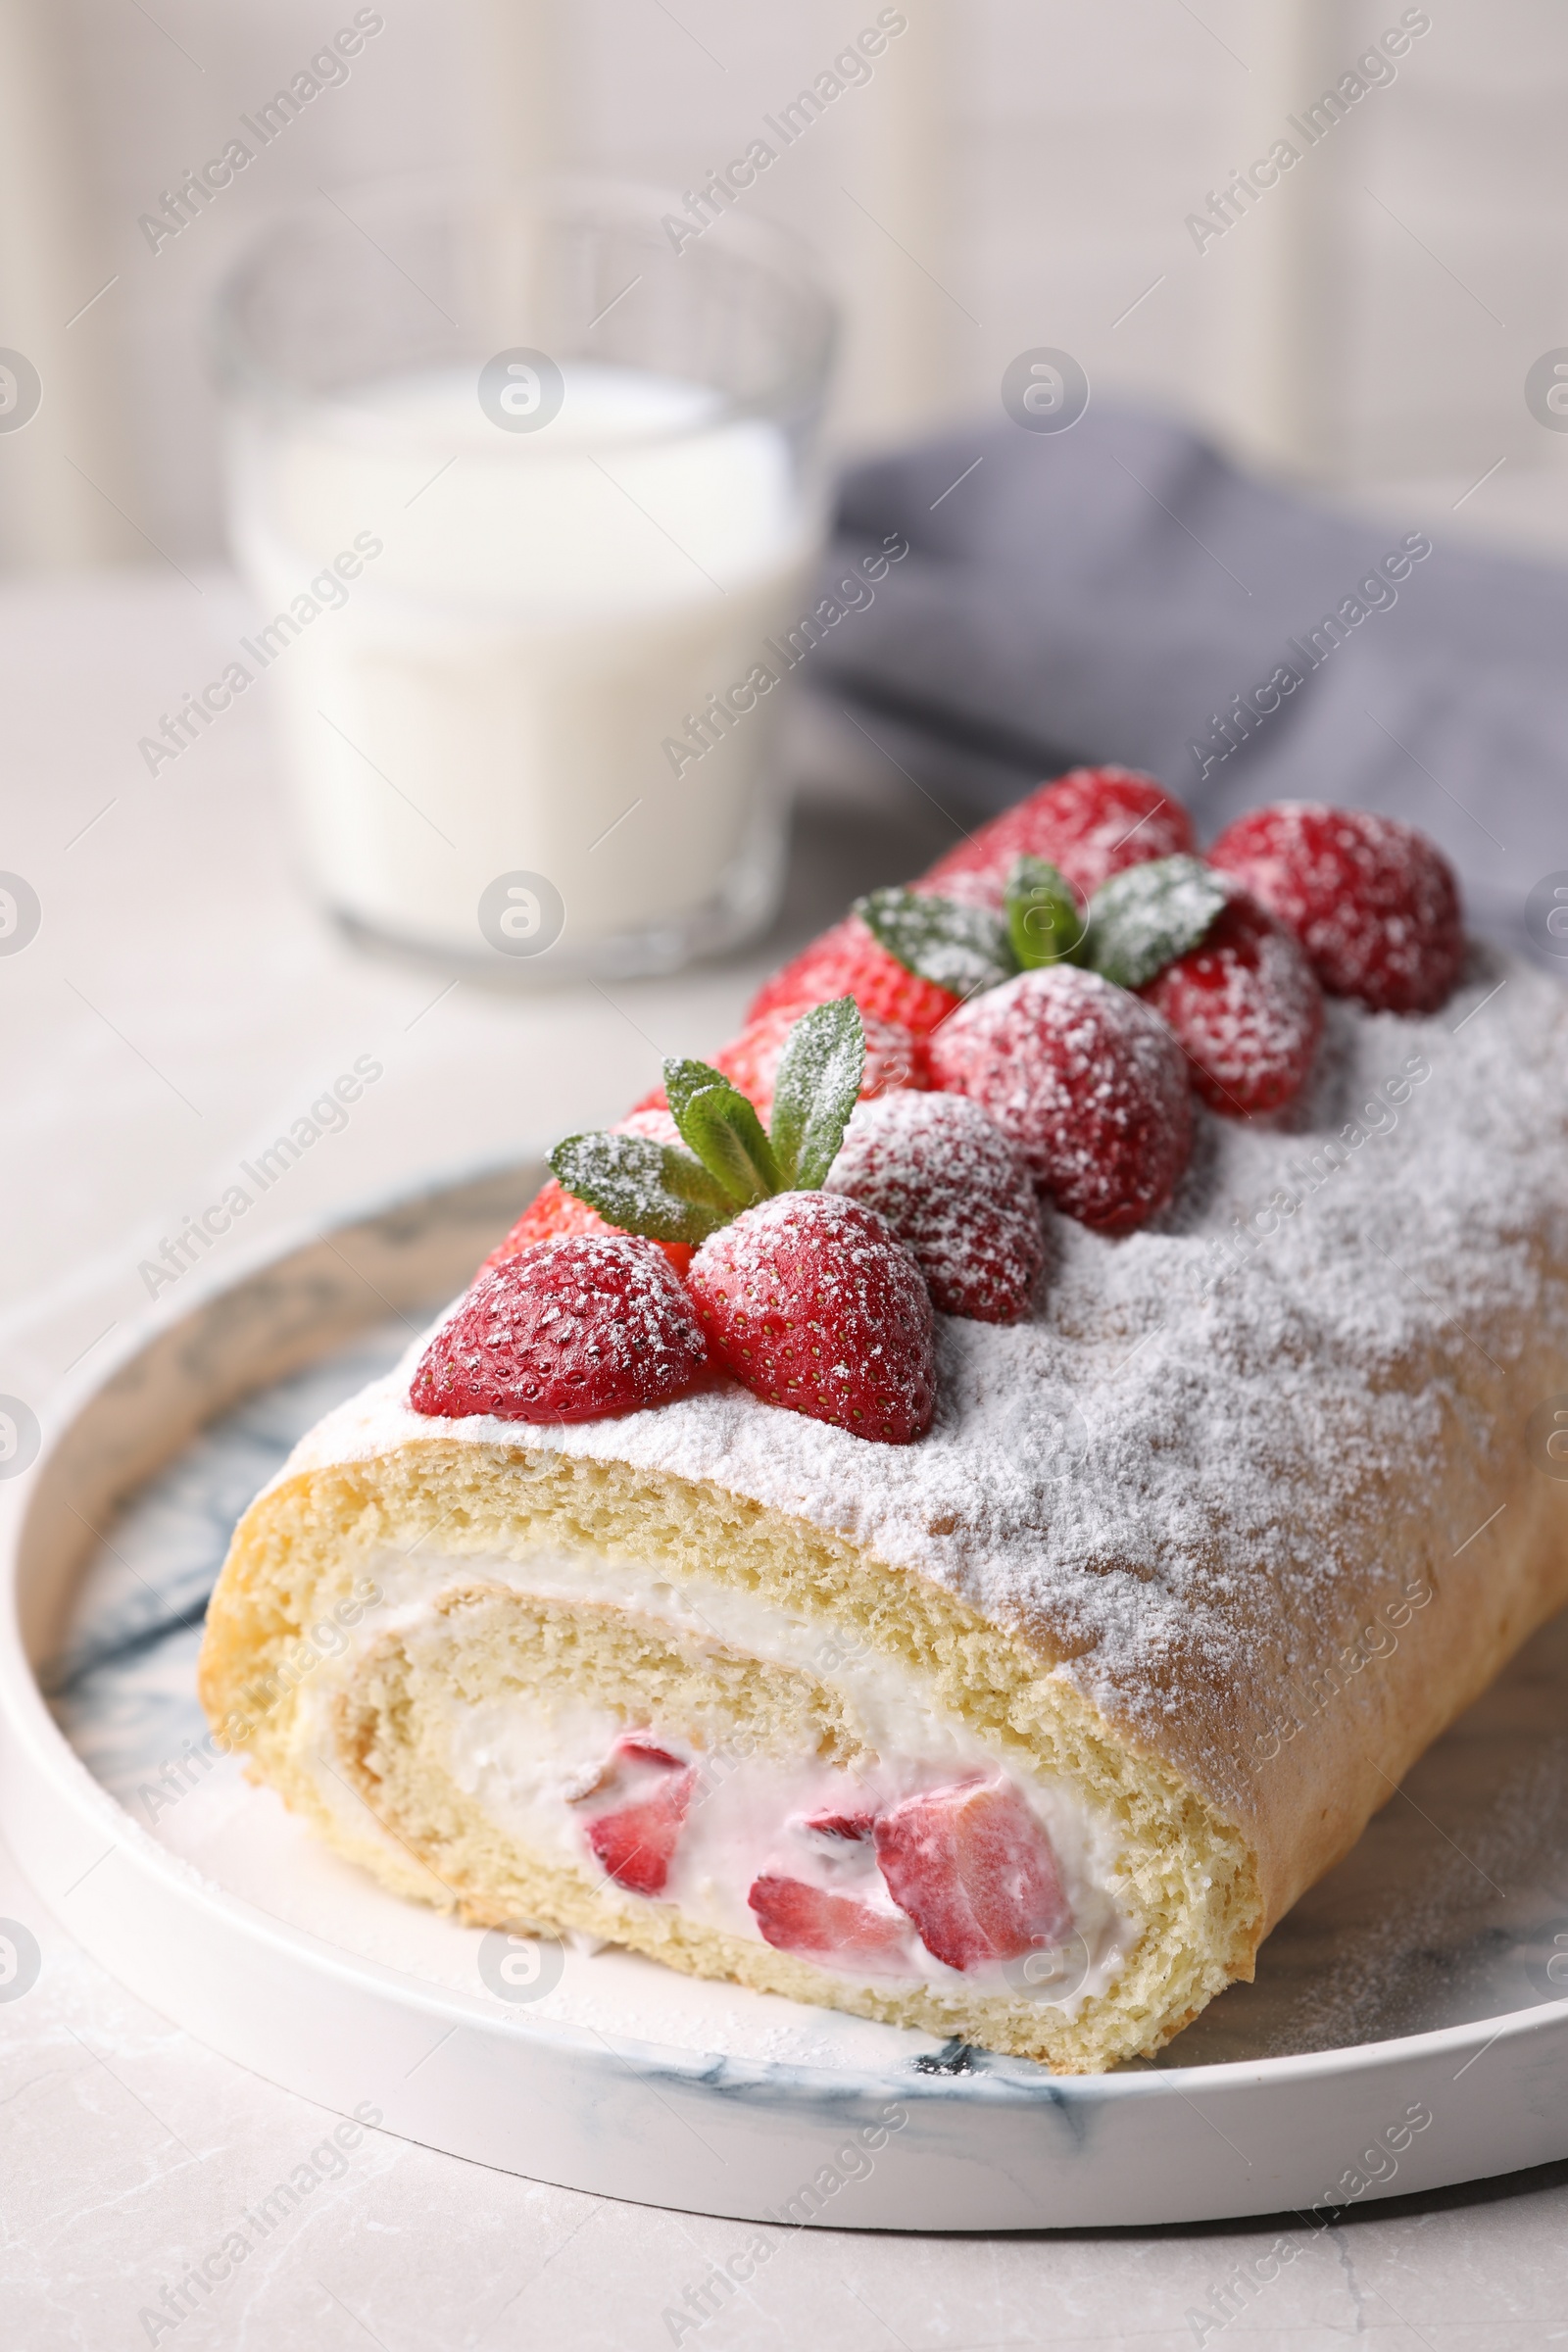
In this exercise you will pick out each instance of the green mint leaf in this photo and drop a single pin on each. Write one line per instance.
(815, 1087)
(1047, 920)
(1146, 917)
(643, 1187)
(727, 1136)
(964, 949)
(683, 1079)
(723, 1128)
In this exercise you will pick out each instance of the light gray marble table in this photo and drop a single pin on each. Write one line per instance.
(181, 1001)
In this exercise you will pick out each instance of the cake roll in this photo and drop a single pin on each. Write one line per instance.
(1025, 1731)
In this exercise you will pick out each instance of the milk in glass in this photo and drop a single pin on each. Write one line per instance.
(529, 623)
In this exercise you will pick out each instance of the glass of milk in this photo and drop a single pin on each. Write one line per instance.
(526, 488)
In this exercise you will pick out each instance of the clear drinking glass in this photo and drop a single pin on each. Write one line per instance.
(524, 491)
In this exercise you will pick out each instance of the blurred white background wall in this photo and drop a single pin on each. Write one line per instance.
(1014, 172)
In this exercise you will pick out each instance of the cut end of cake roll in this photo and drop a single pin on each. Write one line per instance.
(546, 1691)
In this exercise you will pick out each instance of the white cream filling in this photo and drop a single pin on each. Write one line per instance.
(538, 1773)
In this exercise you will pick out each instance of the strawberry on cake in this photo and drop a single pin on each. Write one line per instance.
(900, 1522)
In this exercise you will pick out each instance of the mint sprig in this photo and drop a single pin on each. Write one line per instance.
(969, 949)
(1146, 917)
(1135, 924)
(670, 1194)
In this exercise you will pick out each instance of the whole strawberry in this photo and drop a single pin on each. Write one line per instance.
(1090, 824)
(1373, 901)
(565, 1330)
(847, 961)
(955, 1192)
(1088, 1084)
(1246, 1007)
(814, 1302)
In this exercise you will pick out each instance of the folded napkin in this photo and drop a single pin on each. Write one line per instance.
(1118, 591)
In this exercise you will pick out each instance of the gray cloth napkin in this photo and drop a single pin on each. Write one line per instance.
(1104, 593)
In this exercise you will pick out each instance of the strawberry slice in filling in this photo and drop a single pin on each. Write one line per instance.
(974, 1870)
(635, 1843)
(970, 1867)
(795, 1917)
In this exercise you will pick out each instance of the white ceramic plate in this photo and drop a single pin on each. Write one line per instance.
(1406, 2031)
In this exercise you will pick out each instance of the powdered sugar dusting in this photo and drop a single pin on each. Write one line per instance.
(1246, 1009)
(565, 1330)
(955, 1192)
(1085, 1080)
(814, 1302)
(1373, 901)
(1176, 1475)
(1144, 917)
(655, 1122)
